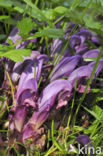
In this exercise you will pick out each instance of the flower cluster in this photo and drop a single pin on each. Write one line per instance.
(57, 73)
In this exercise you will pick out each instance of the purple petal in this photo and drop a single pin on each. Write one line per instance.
(19, 117)
(45, 103)
(79, 73)
(99, 68)
(41, 59)
(31, 133)
(28, 98)
(81, 88)
(57, 48)
(27, 81)
(75, 40)
(84, 34)
(47, 100)
(53, 89)
(91, 53)
(65, 67)
(95, 40)
(63, 98)
(84, 140)
(19, 67)
(70, 28)
(14, 35)
(28, 84)
(82, 48)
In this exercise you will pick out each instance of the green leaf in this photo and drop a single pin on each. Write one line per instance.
(61, 10)
(16, 54)
(97, 110)
(91, 23)
(18, 6)
(6, 3)
(50, 33)
(75, 4)
(37, 13)
(25, 26)
(4, 48)
(98, 139)
(4, 17)
(50, 14)
(20, 10)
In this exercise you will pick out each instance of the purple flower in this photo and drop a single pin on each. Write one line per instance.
(30, 76)
(91, 53)
(31, 133)
(26, 95)
(95, 40)
(63, 98)
(82, 48)
(75, 40)
(57, 93)
(70, 28)
(19, 67)
(20, 117)
(65, 67)
(47, 101)
(84, 140)
(99, 68)
(84, 34)
(15, 37)
(57, 48)
(79, 73)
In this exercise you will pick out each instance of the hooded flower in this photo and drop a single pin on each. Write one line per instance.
(65, 67)
(91, 53)
(57, 93)
(47, 101)
(75, 40)
(72, 27)
(81, 49)
(95, 40)
(19, 67)
(15, 37)
(57, 49)
(27, 91)
(79, 73)
(84, 140)
(84, 34)
(30, 77)
(99, 68)
(20, 117)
